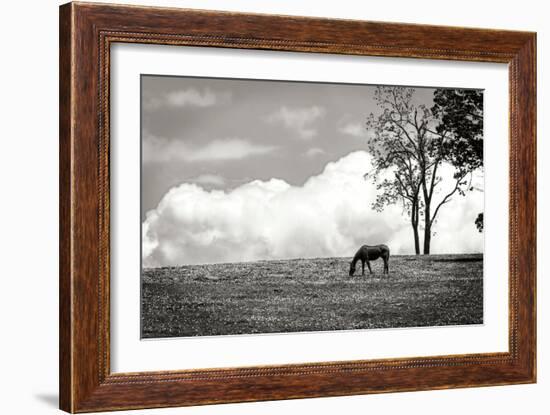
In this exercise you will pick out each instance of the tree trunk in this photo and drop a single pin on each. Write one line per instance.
(416, 239)
(427, 229)
(414, 224)
(427, 239)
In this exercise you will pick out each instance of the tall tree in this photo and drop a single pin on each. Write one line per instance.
(461, 119)
(396, 169)
(408, 152)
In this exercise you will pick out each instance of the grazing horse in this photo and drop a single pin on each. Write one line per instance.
(367, 253)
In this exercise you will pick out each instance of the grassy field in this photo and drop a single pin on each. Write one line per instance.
(311, 295)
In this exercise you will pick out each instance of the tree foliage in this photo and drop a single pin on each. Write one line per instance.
(479, 222)
(461, 119)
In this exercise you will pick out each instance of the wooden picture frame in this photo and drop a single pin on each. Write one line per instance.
(86, 33)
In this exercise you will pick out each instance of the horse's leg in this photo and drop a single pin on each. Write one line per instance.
(363, 266)
(368, 265)
(386, 267)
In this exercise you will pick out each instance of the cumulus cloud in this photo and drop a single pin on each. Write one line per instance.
(187, 97)
(330, 215)
(298, 119)
(160, 149)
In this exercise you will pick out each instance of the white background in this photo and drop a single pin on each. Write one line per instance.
(29, 208)
(129, 354)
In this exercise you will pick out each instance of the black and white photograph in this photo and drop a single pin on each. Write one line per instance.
(273, 206)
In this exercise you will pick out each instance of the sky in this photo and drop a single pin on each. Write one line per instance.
(242, 170)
